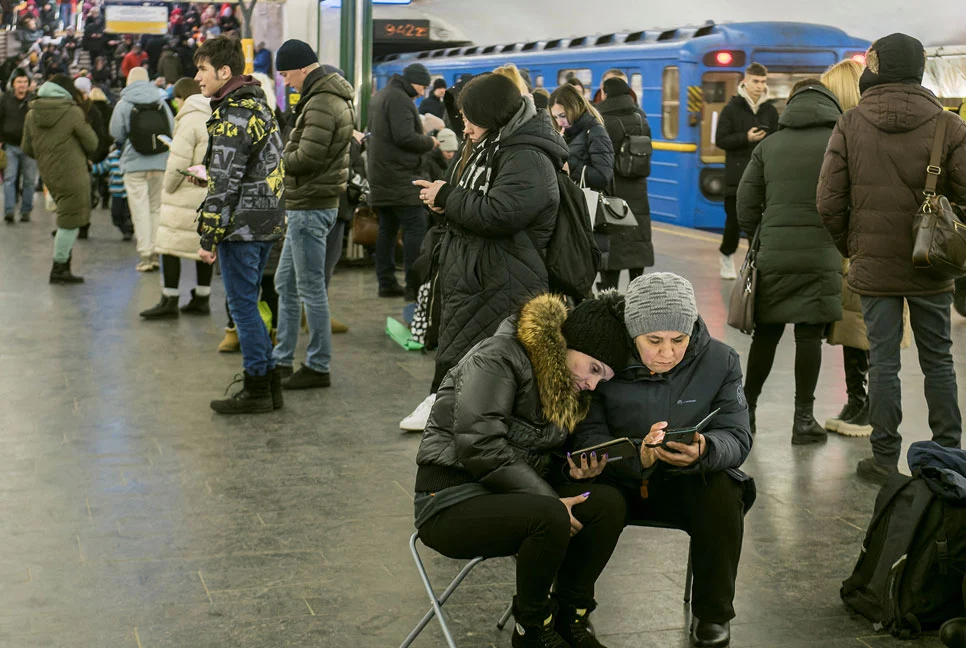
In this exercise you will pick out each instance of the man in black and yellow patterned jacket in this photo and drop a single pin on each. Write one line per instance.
(244, 212)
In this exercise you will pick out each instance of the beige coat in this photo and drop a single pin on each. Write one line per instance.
(850, 330)
(178, 231)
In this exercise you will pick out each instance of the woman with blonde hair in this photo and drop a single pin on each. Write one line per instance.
(591, 156)
(843, 80)
(512, 72)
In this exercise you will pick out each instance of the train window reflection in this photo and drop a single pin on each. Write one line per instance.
(670, 102)
(584, 75)
(637, 85)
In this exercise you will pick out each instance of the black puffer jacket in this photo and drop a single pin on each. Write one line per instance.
(502, 410)
(397, 146)
(491, 255)
(708, 377)
(629, 247)
(590, 149)
(736, 120)
(13, 113)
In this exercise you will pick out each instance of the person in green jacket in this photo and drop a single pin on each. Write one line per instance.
(799, 268)
(57, 135)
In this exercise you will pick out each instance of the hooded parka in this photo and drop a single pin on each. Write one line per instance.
(178, 229)
(491, 254)
(872, 182)
(799, 269)
(57, 135)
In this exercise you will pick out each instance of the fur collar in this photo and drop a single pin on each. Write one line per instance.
(538, 330)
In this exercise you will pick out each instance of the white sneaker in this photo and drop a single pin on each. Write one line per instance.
(416, 422)
(728, 267)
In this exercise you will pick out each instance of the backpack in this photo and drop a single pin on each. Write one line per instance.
(633, 160)
(909, 576)
(148, 120)
(572, 255)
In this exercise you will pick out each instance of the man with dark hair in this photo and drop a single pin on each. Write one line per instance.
(433, 104)
(747, 119)
(13, 111)
(244, 212)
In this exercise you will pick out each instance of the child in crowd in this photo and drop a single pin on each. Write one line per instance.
(120, 213)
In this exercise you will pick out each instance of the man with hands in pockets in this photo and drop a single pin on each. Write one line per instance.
(678, 374)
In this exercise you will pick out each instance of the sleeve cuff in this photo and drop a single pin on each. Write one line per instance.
(443, 195)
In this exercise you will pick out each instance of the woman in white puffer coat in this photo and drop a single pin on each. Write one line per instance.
(177, 237)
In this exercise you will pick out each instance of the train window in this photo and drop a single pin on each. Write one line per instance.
(584, 75)
(637, 85)
(780, 86)
(717, 89)
(670, 102)
(538, 82)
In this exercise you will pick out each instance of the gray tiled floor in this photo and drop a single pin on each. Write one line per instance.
(132, 516)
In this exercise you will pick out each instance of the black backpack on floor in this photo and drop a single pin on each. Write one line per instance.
(909, 576)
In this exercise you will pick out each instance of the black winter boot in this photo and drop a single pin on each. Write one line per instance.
(198, 305)
(60, 274)
(538, 636)
(953, 633)
(573, 626)
(255, 397)
(806, 429)
(705, 634)
(278, 400)
(167, 308)
(83, 232)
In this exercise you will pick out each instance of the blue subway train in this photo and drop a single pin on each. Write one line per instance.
(682, 77)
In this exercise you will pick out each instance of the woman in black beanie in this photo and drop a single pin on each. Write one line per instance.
(498, 208)
(485, 459)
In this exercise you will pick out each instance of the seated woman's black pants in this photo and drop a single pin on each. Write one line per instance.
(536, 529)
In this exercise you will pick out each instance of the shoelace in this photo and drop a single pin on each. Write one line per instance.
(580, 628)
(550, 639)
(239, 378)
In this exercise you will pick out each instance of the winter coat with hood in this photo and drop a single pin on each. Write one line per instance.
(491, 253)
(799, 269)
(57, 135)
(500, 413)
(180, 199)
(397, 146)
(316, 156)
(591, 153)
(139, 92)
(630, 247)
(737, 118)
(707, 378)
(872, 182)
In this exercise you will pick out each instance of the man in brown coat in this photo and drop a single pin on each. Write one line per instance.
(870, 187)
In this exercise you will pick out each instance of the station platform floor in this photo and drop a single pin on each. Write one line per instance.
(132, 516)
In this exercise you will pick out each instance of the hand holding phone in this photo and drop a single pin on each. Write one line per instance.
(685, 435)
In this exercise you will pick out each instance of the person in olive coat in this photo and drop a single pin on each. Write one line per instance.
(799, 268)
(58, 135)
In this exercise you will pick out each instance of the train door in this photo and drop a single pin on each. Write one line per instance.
(716, 90)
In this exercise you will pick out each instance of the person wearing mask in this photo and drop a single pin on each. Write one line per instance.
(485, 468)
(433, 104)
(243, 213)
(143, 170)
(177, 236)
(869, 191)
(498, 210)
(14, 105)
(630, 247)
(316, 161)
(677, 375)
(746, 120)
(395, 159)
(56, 133)
(799, 269)
(591, 158)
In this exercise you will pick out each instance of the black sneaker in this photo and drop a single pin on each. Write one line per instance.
(392, 291)
(9, 219)
(544, 636)
(858, 424)
(874, 471)
(25, 217)
(306, 378)
(573, 626)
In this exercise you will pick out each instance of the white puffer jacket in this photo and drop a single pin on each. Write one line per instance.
(178, 231)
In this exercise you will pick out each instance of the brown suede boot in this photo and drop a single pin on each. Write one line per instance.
(337, 326)
(230, 344)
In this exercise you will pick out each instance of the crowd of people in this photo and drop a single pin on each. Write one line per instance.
(207, 169)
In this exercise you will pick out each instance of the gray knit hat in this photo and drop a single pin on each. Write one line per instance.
(660, 301)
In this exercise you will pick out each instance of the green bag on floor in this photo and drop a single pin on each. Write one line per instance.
(266, 313)
(402, 335)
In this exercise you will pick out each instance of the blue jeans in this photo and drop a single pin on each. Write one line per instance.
(242, 264)
(333, 249)
(414, 222)
(300, 278)
(17, 159)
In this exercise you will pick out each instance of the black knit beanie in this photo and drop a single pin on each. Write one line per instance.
(616, 87)
(417, 74)
(439, 83)
(896, 58)
(294, 55)
(490, 101)
(596, 327)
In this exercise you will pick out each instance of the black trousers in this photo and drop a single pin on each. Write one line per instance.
(856, 363)
(712, 514)
(171, 270)
(536, 529)
(732, 231)
(808, 359)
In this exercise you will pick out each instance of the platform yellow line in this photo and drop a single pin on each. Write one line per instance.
(205, 585)
(137, 638)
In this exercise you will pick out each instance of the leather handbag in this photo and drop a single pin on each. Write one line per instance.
(365, 226)
(938, 229)
(614, 211)
(591, 196)
(741, 306)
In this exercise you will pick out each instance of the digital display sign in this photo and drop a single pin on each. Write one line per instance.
(409, 30)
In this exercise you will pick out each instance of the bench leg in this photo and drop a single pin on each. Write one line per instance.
(506, 617)
(687, 581)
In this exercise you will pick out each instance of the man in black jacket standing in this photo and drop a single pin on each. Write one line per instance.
(13, 110)
(747, 119)
(676, 376)
(395, 159)
(433, 104)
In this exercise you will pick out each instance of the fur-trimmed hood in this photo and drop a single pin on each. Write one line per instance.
(538, 330)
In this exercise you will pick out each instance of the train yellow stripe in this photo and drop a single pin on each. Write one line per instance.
(674, 146)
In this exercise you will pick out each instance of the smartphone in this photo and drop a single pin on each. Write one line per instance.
(685, 435)
(762, 128)
(189, 174)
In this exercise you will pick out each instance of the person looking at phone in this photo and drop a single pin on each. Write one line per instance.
(746, 120)
(485, 459)
(678, 374)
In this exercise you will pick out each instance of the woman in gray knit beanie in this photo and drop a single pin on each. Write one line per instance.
(660, 313)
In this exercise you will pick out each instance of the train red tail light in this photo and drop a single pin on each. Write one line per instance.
(725, 58)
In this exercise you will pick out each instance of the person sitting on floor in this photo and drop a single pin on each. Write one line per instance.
(485, 458)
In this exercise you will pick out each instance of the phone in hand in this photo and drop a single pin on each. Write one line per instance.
(685, 435)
